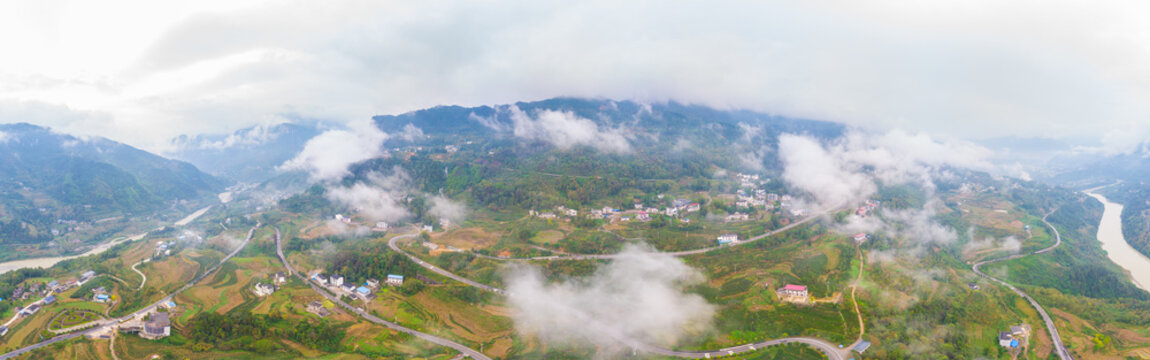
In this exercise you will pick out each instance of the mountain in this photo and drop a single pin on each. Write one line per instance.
(662, 119)
(49, 176)
(249, 154)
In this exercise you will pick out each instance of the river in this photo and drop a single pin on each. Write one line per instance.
(47, 262)
(1119, 251)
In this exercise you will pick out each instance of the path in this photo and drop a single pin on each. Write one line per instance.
(1059, 347)
(104, 324)
(372, 318)
(142, 276)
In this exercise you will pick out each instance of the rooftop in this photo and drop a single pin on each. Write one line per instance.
(793, 287)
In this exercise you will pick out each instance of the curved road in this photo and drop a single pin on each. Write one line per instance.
(1059, 347)
(102, 325)
(335, 299)
(832, 351)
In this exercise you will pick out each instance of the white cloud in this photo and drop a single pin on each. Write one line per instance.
(848, 169)
(977, 69)
(4, 137)
(380, 198)
(255, 135)
(637, 296)
(411, 133)
(327, 156)
(564, 129)
(444, 208)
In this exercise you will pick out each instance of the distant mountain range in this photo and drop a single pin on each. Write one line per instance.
(48, 175)
(249, 155)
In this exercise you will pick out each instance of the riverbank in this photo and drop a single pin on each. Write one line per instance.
(1135, 264)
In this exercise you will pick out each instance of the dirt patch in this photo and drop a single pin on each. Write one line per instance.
(468, 238)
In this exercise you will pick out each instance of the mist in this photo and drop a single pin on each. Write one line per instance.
(379, 198)
(639, 295)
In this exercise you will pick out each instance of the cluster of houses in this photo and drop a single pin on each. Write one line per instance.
(261, 289)
(1017, 336)
(867, 207)
(165, 248)
(366, 292)
(316, 307)
(100, 295)
(54, 286)
(794, 294)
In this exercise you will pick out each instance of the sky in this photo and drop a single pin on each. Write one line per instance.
(142, 72)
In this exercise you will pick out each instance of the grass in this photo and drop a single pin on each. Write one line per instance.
(69, 318)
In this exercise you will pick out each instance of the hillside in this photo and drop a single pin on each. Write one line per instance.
(51, 178)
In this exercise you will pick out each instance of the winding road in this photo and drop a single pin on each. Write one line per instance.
(375, 319)
(1059, 347)
(832, 351)
(102, 325)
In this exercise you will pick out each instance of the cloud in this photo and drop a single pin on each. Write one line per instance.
(4, 137)
(637, 296)
(564, 129)
(849, 169)
(977, 68)
(380, 198)
(255, 135)
(327, 156)
(411, 133)
(1010, 244)
(444, 208)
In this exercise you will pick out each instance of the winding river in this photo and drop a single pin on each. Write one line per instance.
(47, 262)
(1110, 234)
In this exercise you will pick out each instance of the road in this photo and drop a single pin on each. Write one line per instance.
(1059, 347)
(102, 325)
(142, 276)
(375, 319)
(832, 351)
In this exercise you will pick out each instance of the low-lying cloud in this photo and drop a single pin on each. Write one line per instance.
(639, 296)
(327, 156)
(380, 198)
(445, 208)
(850, 168)
(564, 129)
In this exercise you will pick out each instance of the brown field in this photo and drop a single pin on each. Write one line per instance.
(170, 271)
(467, 238)
(82, 348)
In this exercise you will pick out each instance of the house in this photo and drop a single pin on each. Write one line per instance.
(52, 285)
(772, 197)
(101, 298)
(671, 211)
(728, 238)
(652, 210)
(860, 237)
(427, 228)
(363, 292)
(394, 280)
(791, 290)
(547, 215)
(693, 207)
(372, 283)
(862, 346)
(87, 275)
(643, 216)
(262, 289)
(973, 286)
(31, 309)
(171, 305)
(49, 300)
(336, 280)
(572, 212)
(348, 288)
(321, 279)
(1019, 331)
(380, 226)
(316, 307)
(279, 279)
(1006, 340)
(608, 210)
(680, 203)
(157, 326)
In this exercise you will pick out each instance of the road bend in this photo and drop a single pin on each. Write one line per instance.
(375, 319)
(1059, 346)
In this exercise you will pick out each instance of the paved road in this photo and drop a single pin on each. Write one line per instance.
(104, 324)
(142, 276)
(1059, 347)
(375, 319)
(832, 351)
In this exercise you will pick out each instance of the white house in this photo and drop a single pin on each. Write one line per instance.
(262, 289)
(793, 290)
(693, 207)
(394, 280)
(728, 238)
(860, 237)
(336, 280)
(671, 211)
